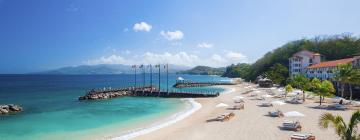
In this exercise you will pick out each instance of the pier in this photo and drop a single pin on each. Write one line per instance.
(151, 90)
(199, 84)
(144, 92)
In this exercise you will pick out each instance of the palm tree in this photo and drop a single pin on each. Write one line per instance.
(353, 79)
(342, 75)
(345, 131)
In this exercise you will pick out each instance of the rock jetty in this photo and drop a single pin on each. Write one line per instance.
(92, 95)
(9, 108)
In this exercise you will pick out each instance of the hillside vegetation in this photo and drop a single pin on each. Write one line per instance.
(204, 70)
(332, 47)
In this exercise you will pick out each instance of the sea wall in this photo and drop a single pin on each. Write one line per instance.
(104, 95)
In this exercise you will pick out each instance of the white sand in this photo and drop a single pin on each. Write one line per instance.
(251, 123)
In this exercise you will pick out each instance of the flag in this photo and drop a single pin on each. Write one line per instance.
(157, 66)
(133, 66)
(141, 66)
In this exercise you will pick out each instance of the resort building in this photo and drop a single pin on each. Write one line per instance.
(309, 64)
(326, 70)
(300, 61)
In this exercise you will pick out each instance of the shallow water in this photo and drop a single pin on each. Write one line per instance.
(51, 108)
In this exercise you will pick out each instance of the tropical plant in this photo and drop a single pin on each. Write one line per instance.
(322, 89)
(345, 131)
(342, 75)
(353, 79)
(278, 73)
(300, 82)
(288, 88)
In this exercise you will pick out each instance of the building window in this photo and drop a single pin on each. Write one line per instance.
(310, 60)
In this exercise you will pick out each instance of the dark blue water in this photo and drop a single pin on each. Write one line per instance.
(51, 108)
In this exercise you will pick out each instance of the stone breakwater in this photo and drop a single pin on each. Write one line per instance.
(10, 108)
(104, 95)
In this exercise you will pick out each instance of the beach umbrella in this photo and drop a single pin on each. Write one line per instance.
(267, 96)
(222, 105)
(293, 114)
(257, 91)
(238, 97)
(278, 102)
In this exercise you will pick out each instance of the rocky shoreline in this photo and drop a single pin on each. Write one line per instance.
(9, 108)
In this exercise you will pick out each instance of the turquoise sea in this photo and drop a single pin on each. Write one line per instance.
(52, 111)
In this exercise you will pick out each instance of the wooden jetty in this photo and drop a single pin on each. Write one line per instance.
(144, 92)
(183, 84)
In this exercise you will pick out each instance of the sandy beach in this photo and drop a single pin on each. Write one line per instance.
(250, 123)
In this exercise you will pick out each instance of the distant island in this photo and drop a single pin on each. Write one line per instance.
(203, 70)
(104, 69)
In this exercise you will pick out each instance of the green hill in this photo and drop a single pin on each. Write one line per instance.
(204, 70)
(332, 47)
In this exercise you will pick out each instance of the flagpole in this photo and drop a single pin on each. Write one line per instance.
(167, 78)
(144, 75)
(159, 78)
(150, 75)
(134, 66)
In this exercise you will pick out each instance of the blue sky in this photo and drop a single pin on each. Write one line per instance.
(40, 35)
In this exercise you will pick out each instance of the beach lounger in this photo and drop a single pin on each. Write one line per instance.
(253, 95)
(291, 125)
(223, 117)
(266, 104)
(238, 106)
(294, 101)
(337, 107)
(239, 101)
(277, 113)
(302, 136)
(260, 98)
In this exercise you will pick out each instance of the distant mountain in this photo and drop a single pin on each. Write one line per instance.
(204, 70)
(106, 69)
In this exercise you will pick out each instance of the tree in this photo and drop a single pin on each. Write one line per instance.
(342, 74)
(288, 88)
(322, 89)
(278, 73)
(345, 131)
(353, 79)
(240, 70)
(300, 82)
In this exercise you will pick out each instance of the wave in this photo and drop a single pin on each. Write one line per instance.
(173, 119)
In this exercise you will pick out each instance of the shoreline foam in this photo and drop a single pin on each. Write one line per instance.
(171, 120)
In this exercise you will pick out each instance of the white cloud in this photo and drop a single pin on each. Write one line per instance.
(180, 58)
(205, 45)
(236, 56)
(172, 35)
(142, 26)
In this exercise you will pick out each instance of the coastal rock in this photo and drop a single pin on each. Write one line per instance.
(10, 108)
(97, 95)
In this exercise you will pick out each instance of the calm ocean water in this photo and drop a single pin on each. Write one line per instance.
(51, 107)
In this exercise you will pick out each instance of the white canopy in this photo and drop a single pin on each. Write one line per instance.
(267, 96)
(278, 102)
(222, 105)
(293, 114)
(238, 97)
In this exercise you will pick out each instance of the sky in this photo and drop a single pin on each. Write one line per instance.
(40, 35)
